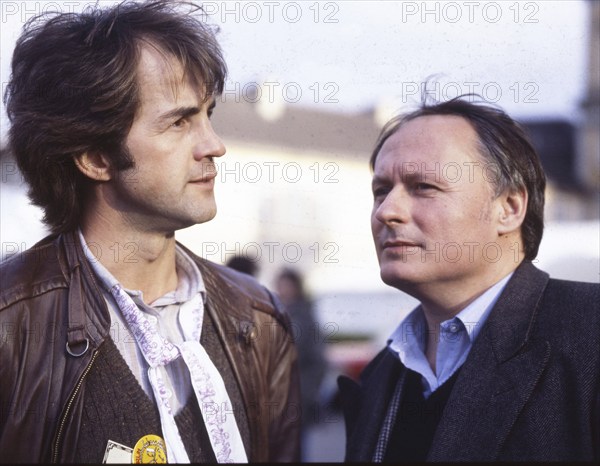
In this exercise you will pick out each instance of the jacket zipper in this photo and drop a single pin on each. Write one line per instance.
(68, 408)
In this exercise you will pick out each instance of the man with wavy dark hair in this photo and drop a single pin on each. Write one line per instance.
(118, 343)
(498, 362)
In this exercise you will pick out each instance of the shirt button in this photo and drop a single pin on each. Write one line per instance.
(453, 327)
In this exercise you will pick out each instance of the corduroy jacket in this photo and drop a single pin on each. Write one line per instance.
(53, 321)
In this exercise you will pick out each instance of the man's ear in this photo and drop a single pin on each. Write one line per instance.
(513, 207)
(94, 165)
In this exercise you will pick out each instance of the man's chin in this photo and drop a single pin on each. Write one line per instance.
(197, 218)
(201, 221)
(208, 213)
(395, 278)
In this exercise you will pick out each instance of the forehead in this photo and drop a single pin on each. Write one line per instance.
(431, 139)
(162, 73)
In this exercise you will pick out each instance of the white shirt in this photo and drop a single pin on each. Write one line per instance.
(456, 337)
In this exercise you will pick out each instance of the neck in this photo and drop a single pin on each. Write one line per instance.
(443, 300)
(447, 301)
(139, 260)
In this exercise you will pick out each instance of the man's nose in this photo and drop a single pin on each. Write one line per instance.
(395, 207)
(208, 143)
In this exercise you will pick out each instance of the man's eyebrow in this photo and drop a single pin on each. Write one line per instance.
(414, 176)
(379, 180)
(177, 113)
(406, 177)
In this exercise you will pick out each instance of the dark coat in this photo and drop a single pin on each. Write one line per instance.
(528, 391)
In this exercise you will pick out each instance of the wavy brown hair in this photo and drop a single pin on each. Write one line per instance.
(503, 144)
(74, 89)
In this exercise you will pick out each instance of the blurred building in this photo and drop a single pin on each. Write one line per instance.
(588, 149)
(570, 152)
(294, 188)
(570, 193)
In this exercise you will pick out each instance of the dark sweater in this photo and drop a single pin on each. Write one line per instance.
(417, 419)
(117, 408)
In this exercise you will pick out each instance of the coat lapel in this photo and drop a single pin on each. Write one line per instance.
(233, 320)
(365, 407)
(498, 377)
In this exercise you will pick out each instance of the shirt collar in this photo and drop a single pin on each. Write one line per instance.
(409, 337)
(475, 314)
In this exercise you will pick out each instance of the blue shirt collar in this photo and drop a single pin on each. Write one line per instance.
(456, 337)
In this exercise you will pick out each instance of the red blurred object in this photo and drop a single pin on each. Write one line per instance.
(350, 357)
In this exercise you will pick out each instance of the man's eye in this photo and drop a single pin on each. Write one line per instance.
(424, 187)
(379, 192)
(179, 123)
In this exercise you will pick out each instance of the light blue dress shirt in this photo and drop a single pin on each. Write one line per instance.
(456, 337)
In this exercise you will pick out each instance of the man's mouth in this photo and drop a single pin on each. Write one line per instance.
(204, 179)
(400, 244)
(208, 174)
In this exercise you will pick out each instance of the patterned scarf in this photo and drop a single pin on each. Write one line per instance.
(207, 382)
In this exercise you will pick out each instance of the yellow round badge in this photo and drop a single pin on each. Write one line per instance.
(149, 449)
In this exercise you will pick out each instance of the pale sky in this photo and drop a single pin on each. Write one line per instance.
(529, 57)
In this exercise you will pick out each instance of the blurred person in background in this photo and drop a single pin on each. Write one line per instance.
(243, 264)
(310, 343)
(499, 362)
(119, 344)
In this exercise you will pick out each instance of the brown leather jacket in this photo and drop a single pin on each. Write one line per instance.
(53, 319)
